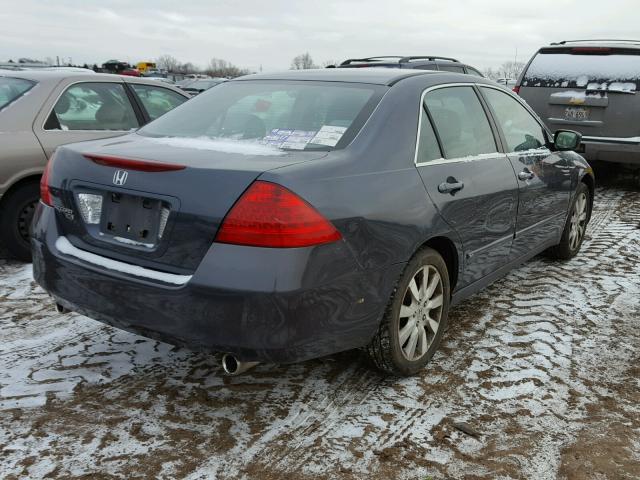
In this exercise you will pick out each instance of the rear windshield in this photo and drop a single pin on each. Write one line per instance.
(12, 88)
(570, 69)
(281, 114)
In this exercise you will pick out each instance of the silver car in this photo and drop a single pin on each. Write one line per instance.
(40, 110)
(593, 87)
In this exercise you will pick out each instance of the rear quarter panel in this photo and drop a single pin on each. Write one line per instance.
(371, 190)
(21, 155)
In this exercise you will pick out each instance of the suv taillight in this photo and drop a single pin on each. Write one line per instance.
(270, 215)
(516, 90)
(45, 191)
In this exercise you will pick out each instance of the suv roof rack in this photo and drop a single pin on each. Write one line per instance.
(400, 59)
(370, 59)
(597, 40)
(428, 57)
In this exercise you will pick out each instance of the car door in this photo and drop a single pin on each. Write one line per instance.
(544, 177)
(470, 182)
(156, 100)
(86, 111)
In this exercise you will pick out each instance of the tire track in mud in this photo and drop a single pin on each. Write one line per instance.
(520, 362)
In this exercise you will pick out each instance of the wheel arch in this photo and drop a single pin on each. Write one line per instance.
(449, 252)
(15, 186)
(590, 182)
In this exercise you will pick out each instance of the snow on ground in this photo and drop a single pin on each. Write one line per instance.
(543, 367)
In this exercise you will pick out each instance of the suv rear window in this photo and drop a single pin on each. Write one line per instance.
(13, 88)
(286, 115)
(585, 67)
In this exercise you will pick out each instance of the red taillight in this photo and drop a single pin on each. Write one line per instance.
(45, 191)
(130, 164)
(516, 89)
(269, 215)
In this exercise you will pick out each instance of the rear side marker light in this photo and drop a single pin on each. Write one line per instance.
(270, 215)
(130, 164)
(516, 90)
(90, 206)
(45, 191)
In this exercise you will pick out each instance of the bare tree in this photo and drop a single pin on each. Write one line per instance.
(329, 63)
(222, 68)
(511, 69)
(302, 62)
(187, 68)
(491, 74)
(168, 63)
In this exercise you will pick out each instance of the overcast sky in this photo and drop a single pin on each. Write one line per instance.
(251, 33)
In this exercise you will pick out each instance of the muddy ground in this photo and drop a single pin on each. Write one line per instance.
(538, 377)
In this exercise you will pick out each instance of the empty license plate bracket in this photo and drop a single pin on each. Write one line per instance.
(131, 217)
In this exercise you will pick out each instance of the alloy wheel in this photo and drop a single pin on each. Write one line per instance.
(578, 221)
(420, 313)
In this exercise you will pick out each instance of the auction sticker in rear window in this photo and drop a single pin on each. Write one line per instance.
(329, 135)
(292, 139)
(298, 139)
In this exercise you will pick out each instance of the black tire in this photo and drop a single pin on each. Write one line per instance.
(385, 349)
(567, 249)
(15, 219)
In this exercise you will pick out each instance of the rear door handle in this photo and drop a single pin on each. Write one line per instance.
(526, 174)
(451, 186)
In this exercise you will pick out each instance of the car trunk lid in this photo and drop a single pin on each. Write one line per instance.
(152, 202)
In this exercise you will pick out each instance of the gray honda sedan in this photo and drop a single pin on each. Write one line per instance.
(278, 218)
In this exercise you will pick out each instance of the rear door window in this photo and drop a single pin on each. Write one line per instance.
(428, 148)
(13, 88)
(460, 121)
(157, 100)
(520, 129)
(93, 106)
(585, 68)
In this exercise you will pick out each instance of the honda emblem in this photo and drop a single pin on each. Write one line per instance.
(120, 177)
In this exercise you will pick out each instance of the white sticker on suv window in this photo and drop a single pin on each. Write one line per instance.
(329, 135)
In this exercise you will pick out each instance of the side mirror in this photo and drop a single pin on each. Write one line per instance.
(567, 140)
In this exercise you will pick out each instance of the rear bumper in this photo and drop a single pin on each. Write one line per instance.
(612, 149)
(272, 305)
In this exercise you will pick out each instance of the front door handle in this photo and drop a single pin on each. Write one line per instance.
(451, 186)
(526, 174)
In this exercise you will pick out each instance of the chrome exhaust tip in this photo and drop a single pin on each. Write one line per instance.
(232, 366)
(60, 308)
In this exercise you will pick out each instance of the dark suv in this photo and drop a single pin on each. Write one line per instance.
(590, 86)
(421, 62)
